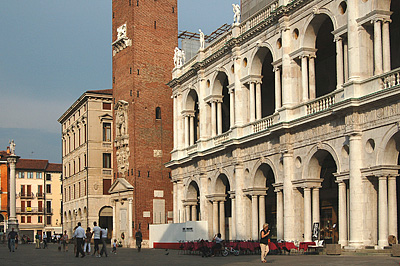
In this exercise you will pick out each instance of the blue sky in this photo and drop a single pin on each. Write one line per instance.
(54, 50)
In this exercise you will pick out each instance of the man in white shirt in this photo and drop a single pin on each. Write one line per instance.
(104, 232)
(79, 234)
(96, 238)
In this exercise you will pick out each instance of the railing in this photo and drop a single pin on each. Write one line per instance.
(48, 211)
(263, 124)
(40, 195)
(26, 195)
(192, 149)
(391, 79)
(106, 145)
(219, 43)
(321, 103)
(261, 16)
(107, 172)
(29, 210)
(221, 138)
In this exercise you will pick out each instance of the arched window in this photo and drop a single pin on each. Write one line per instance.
(158, 112)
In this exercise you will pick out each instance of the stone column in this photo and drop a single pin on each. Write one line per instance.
(311, 79)
(12, 219)
(194, 213)
(252, 102)
(279, 214)
(215, 217)
(278, 95)
(288, 205)
(346, 62)
(261, 212)
(187, 213)
(356, 192)
(175, 122)
(191, 130)
(114, 218)
(222, 219)
(304, 77)
(213, 118)
(383, 212)
(392, 201)
(187, 131)
(175, 202)
(181, 209)
(254, 217)
(353, 37)
(130, 219)
(232, 227)
(203, 200)
(307, 215)
(342, 214)
(258, 101)
(378, 46)
(386, 46)
(232, 107)
(339, 62)
(240, 202)
(219, 120)
(315, 205)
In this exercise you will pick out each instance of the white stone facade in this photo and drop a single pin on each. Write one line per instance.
(292, 118)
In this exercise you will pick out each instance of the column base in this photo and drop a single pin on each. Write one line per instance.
(356, 244)
(343, 243)
(13, 223)
(383, 243)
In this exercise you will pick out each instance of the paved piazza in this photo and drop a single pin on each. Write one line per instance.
(28, 255)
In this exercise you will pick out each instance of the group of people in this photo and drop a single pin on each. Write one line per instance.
(82, 240)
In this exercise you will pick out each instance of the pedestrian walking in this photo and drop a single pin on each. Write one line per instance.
(79, 235)
(114, 249)
(264, 242)
(104, 233)
(97, 239)
(12, 236)
(88, 238)
(37, 240)
(139, 238)
(64, 241)
(44, 240)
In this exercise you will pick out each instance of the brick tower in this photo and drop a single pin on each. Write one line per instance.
(144, 37)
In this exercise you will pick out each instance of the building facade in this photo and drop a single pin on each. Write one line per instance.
(4, 176)
(38, 199)
(144, 37)
(87, 161)
(292, 118)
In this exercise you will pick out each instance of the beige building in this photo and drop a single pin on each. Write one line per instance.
(291, 117)
(38, 187)
(87, 160)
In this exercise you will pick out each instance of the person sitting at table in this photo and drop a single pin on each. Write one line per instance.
(264, 242)
(218, 244)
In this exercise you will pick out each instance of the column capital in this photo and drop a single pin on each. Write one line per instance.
(337, 39)
(12, 159)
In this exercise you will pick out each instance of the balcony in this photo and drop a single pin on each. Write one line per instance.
(49, 211)
(26, 195)
(107, 172)
(40, 195)
(29, 210)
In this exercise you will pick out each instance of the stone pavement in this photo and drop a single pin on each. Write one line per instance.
(28, 255)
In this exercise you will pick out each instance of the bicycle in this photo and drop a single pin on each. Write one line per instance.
(226, 251)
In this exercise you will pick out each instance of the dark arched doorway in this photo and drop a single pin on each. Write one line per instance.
(395, 34)
(106, 220)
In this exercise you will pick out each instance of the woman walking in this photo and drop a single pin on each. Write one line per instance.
(264, 242)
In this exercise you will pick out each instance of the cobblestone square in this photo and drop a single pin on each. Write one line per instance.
(28, 255)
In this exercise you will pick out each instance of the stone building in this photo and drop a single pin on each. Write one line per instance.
(87, 160)
(38, 201)
(144, 37)
(292, 118)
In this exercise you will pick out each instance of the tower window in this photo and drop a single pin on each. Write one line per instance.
(158, 113)
(155, 24)
(173, 9)
(130, 2)
(137, 3)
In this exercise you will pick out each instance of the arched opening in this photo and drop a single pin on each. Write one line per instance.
(192, 104)
(325, 61)
(221, 88)
(106, 220)
(193, 196)
(268, 86)
(222, 187)
(328, 199)
(395, 34)
(265, 178)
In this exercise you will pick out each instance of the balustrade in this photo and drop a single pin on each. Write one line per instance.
(391, 79)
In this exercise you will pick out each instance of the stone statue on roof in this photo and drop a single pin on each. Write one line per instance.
(202, 40)
(236, 11)
(179, 57)
(12, 147)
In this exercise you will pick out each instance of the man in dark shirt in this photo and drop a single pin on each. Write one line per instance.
(139, 239)
(11, 237)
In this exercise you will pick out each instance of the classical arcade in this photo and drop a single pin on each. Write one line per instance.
(291, 117)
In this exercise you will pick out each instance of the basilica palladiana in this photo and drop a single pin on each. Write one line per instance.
(291, 116)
